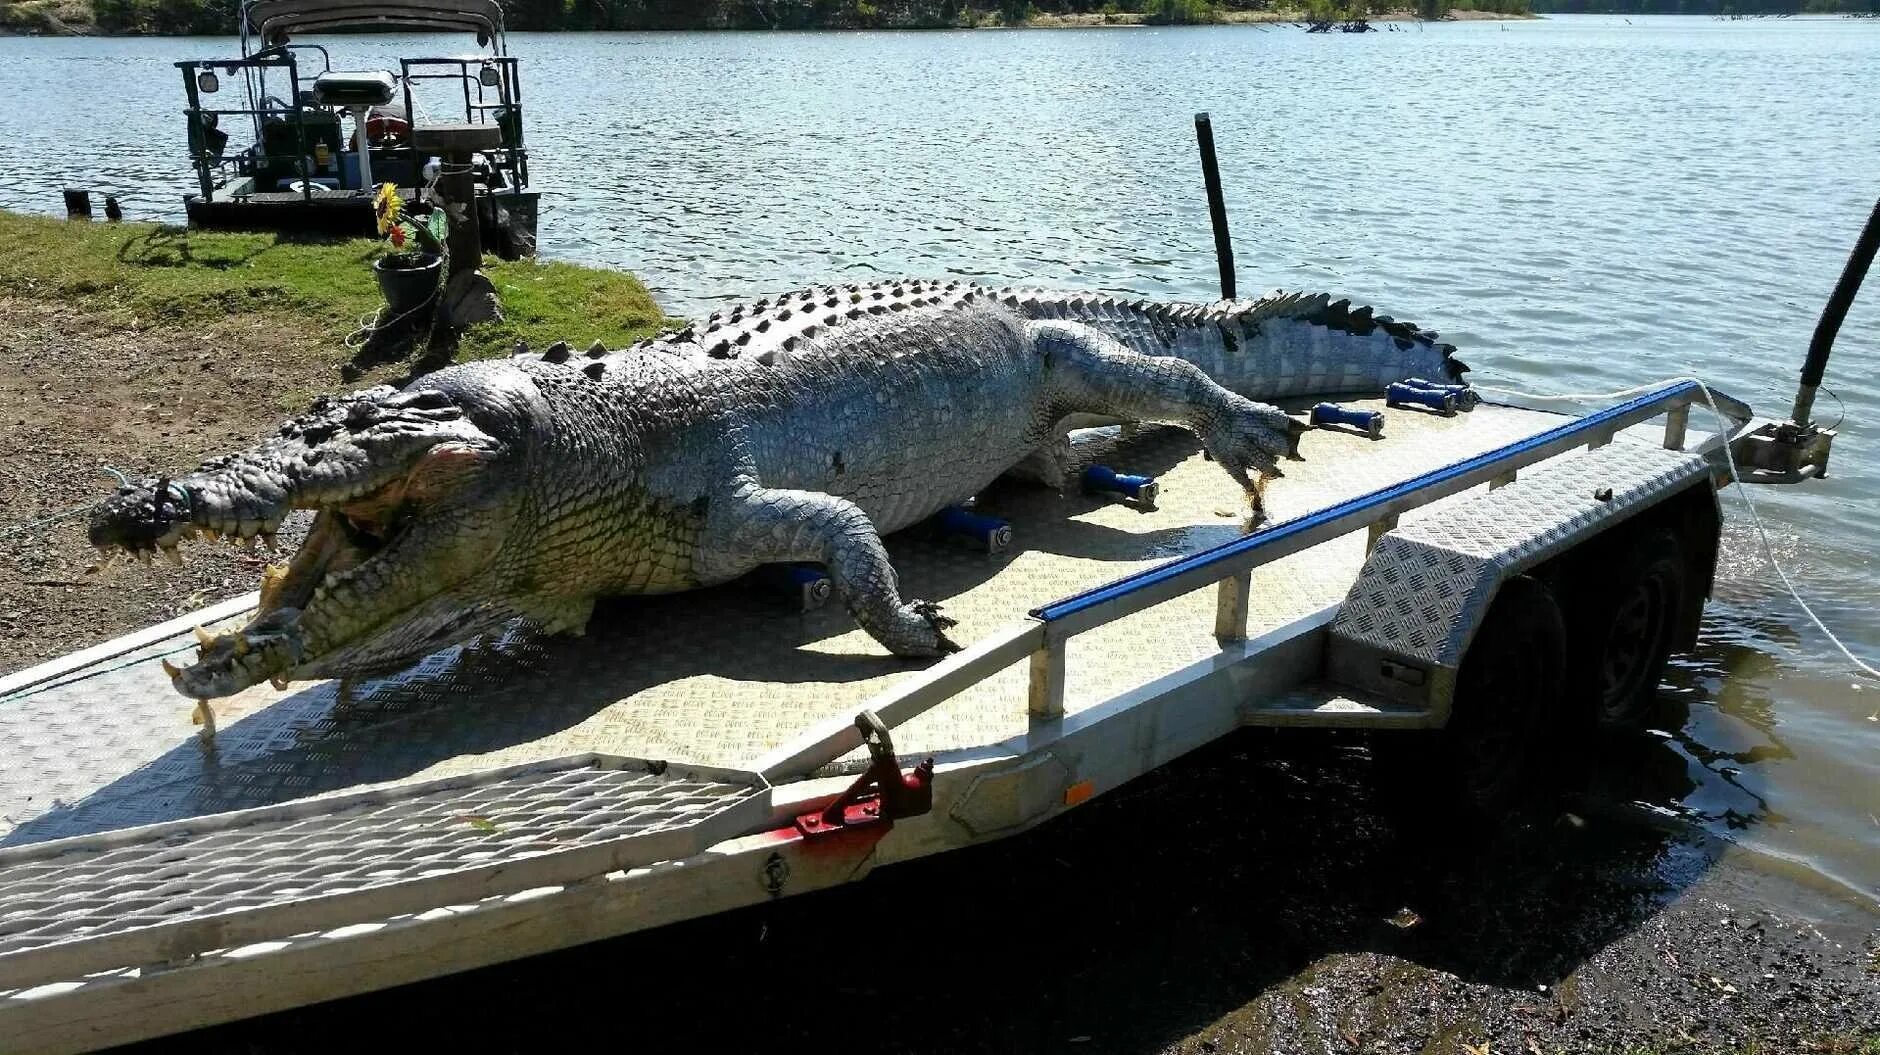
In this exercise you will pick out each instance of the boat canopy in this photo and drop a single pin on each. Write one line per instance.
(274, 21)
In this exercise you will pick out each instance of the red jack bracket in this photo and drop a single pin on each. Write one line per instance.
(881, 795)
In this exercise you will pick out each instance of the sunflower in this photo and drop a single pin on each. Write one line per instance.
(388, 207)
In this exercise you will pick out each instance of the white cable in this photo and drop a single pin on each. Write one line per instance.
(1723, 425)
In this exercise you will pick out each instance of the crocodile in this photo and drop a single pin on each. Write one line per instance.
(796, 428)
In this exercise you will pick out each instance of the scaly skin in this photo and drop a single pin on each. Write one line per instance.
(796, 430)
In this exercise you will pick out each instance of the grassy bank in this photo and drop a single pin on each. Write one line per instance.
(146, 348)
(144, 275)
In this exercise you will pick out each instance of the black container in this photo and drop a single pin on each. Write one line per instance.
(408, 280)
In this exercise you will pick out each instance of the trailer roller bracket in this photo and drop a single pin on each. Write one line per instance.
(882, 795)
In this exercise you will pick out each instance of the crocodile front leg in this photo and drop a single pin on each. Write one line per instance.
(1089, 373)
(750, 525)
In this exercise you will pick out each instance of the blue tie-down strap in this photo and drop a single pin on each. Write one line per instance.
(799, 584)
(1466, 398)
(1369, 422)
(1102, 479)
(990, 532)
(1401, 394)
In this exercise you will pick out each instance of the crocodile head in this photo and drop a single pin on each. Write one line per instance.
(415, 492)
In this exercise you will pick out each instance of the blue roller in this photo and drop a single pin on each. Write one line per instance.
(1370, 422)
(801, 584)
(990, 532)
(1466, 398)
(1402, 394)
(1105, 480)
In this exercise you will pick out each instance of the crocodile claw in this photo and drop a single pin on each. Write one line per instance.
(939, 623)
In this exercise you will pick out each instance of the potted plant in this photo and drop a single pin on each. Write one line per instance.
(409, 274)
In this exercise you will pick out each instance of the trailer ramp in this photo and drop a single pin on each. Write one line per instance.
(166, 893)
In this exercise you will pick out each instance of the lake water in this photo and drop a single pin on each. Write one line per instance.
(1582, 203)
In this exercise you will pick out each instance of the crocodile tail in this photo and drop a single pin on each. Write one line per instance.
(1308, 344)
(1279, 346)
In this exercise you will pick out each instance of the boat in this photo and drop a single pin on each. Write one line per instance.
(321, 140)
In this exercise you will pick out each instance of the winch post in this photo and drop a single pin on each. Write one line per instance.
(1833, 315)
(881, 795)
(1217, 208)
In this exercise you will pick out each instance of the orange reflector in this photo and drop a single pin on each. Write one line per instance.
(1079, 792)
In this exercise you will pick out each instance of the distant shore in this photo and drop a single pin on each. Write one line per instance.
(130, 18)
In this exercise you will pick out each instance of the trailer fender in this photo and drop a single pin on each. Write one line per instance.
(1427, 586)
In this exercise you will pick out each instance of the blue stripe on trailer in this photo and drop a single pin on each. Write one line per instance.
(1227, 551)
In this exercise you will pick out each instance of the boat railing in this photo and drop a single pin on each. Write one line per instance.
(207, 157)
(492, 94)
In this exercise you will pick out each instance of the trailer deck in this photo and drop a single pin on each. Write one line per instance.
(526, 794)
(719, 678)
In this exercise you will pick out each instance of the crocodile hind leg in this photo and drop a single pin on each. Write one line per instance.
(761, 525)
(1089, 373)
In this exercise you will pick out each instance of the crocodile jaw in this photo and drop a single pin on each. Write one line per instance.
(413, 502)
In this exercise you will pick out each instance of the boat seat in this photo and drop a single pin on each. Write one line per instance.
(281, 144)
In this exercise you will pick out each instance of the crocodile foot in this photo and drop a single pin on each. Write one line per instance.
(919, 629)
(1251, 440)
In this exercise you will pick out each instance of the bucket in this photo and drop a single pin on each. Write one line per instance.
(407, 279)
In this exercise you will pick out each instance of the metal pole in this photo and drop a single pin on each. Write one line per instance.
(1833, 315)
(365, 149)
(198, 146)
(1217, 209)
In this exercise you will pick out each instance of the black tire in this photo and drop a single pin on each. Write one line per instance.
(1492, 754)
(1624, 628)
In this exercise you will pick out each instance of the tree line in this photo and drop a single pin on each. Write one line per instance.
(1724, 8)
(217, 17)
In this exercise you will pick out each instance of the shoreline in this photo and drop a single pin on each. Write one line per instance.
(52, 18)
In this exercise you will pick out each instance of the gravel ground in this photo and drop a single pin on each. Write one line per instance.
(76, 395)
(1251, 898)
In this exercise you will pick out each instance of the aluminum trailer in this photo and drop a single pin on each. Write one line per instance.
(697, 753)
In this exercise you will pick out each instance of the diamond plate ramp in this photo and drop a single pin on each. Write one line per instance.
(165, 892)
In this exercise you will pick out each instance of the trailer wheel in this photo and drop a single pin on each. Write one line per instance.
(1623, 633)
(1508, 691)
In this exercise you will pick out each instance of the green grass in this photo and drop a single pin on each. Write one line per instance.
(167, 275)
